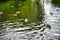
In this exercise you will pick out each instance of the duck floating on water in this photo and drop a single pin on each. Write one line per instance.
(47, 25)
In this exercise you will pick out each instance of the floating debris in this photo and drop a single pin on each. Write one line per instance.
(12, 6)
(17, 12)
(49, 38)
(19, 4)
(26, 20)
(1, 12)
(14, 14)
(51, 14)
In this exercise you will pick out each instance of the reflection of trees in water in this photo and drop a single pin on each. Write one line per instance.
(59, 38)
(4, 17)
(40, 13)
(4, 0)
(7, 15)
(56, 2)
(9, 0)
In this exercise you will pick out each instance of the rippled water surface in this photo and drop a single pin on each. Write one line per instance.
(33, 31)
(16, 31)
(53, 17)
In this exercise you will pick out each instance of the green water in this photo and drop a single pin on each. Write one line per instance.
(27, 8)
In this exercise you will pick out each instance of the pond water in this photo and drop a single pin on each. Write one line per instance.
(18, 31)
(52, 17)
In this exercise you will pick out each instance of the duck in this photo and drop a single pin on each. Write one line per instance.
(47, 25)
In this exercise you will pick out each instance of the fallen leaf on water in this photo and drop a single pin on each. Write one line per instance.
(49, 38)
(17, 12)
(11, 6)
(19, 4)
(1, 12)
(14, 14)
